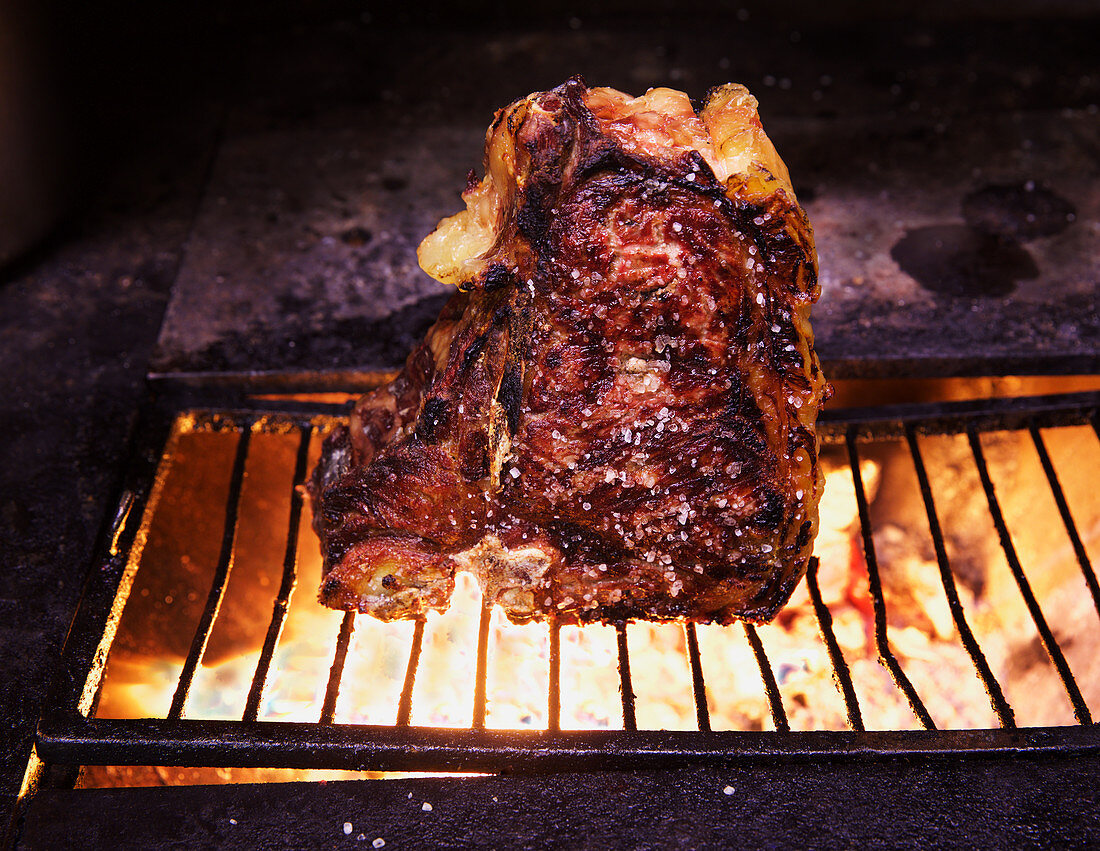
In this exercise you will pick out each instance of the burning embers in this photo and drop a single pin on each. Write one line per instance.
(470, 668)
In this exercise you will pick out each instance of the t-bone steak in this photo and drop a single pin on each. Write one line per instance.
(614, 416)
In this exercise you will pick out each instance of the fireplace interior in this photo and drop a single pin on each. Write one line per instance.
(242, 265)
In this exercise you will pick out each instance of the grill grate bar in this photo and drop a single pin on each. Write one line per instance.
(630, 722)
(553, 698)
(1067, 518)
(290, 579)
(69, 739)
(698, 686)
(843, 676)
(404, 704)
(891, 421)
(480, 699)
(878, 600)
(1080, 710)
(1004, 712)
(221, 576)
(767, 676)
(336, 672)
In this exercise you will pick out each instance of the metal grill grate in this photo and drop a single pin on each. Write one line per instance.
(69, 734)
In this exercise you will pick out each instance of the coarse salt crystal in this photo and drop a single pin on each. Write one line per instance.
(426, 807)
(728, 790)
(676, 226)
(232, 821)
(347, 828)
(379, 842)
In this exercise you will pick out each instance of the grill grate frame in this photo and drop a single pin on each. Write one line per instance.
(69, 734)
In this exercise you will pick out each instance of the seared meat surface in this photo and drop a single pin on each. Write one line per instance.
(614, 416)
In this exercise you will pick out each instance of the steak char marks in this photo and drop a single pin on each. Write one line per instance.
(615, 415)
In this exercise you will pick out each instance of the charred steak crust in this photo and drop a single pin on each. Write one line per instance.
(615, 415)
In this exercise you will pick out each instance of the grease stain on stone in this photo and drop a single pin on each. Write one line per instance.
(956, 260)
(1017, 211)
(356, 236)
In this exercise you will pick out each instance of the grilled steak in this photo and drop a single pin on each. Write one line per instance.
(614, 416)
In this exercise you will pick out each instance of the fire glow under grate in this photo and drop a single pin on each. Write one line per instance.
(883, 650)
